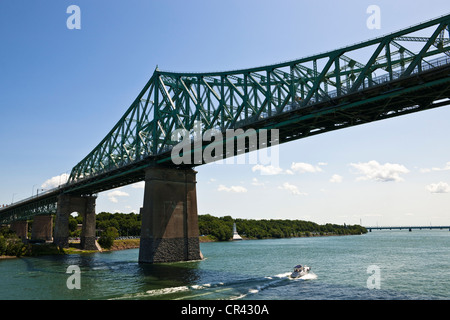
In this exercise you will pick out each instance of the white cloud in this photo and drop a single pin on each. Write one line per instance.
(267, 170)
(237, 189)
(55, 181)
(440, 187)
(445, 168)
(302, 167)
(292, 189)
(112, 196)
(296, 167)
(336, 178)
(372, 170)
(255, 182)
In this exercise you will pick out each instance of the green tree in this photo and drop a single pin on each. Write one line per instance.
(106, 240)
(3, 245)
(73, 224)
(221, 228)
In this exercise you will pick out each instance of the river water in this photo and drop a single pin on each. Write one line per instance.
(398, 265)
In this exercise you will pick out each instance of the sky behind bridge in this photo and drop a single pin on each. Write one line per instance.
(62, 90)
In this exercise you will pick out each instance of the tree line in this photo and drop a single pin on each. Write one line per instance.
(126, 224)
(221, 229)
(113, 225)
(10, 244)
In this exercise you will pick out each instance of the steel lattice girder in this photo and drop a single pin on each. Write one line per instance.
(403, 72)
(29, 209)
(240, 98)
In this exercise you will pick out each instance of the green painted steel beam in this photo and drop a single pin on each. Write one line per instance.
(261, 97)
(224, 100)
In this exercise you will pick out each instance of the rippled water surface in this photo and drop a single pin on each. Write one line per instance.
(411, 265)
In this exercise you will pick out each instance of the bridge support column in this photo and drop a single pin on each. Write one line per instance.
(169, 229)
(61, 237)
(88, 228)
(20, 227)
(42, 228)
(84, 206)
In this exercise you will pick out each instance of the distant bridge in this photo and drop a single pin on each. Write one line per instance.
(400, 73)
(408, 228)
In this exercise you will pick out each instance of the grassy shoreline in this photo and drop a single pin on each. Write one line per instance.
(33, 250)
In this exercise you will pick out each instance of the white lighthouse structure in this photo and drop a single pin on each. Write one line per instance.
(236, 236)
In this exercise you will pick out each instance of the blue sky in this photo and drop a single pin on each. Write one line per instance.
(62, 90)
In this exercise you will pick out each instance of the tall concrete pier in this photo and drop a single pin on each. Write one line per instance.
(42, 228)
(85, 206)
(20, 227)
(169, 229)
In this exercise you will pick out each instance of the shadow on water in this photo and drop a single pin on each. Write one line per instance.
(102, 276)
(180, 272)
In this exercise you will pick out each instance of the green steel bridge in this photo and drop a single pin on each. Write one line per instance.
(410, 228)
(397, 74)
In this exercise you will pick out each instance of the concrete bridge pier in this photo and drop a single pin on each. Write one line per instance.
(169, 229)
(84, 205)
(20, 227)
(88, 228)
(42, 228)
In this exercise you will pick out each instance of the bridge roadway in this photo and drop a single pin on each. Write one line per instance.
(294, 98)
(410, 228)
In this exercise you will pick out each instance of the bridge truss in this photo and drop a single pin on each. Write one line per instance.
(262, 97)
(402, 72)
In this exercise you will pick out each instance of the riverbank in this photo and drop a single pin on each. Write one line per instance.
(210, 238)
(7, 257)
(122, 244)
(221, 228)
(33, 250)
(125, 244)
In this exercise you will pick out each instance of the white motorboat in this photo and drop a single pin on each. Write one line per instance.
(300, 271)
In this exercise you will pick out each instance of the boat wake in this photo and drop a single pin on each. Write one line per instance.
(232, 290)
(310, 276)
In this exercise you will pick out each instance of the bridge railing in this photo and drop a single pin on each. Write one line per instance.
(40, 195)
(385, 78)
(228, 100)
(441, 227)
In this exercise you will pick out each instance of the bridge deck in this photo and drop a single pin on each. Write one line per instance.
(408, 228)
(300, 98)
